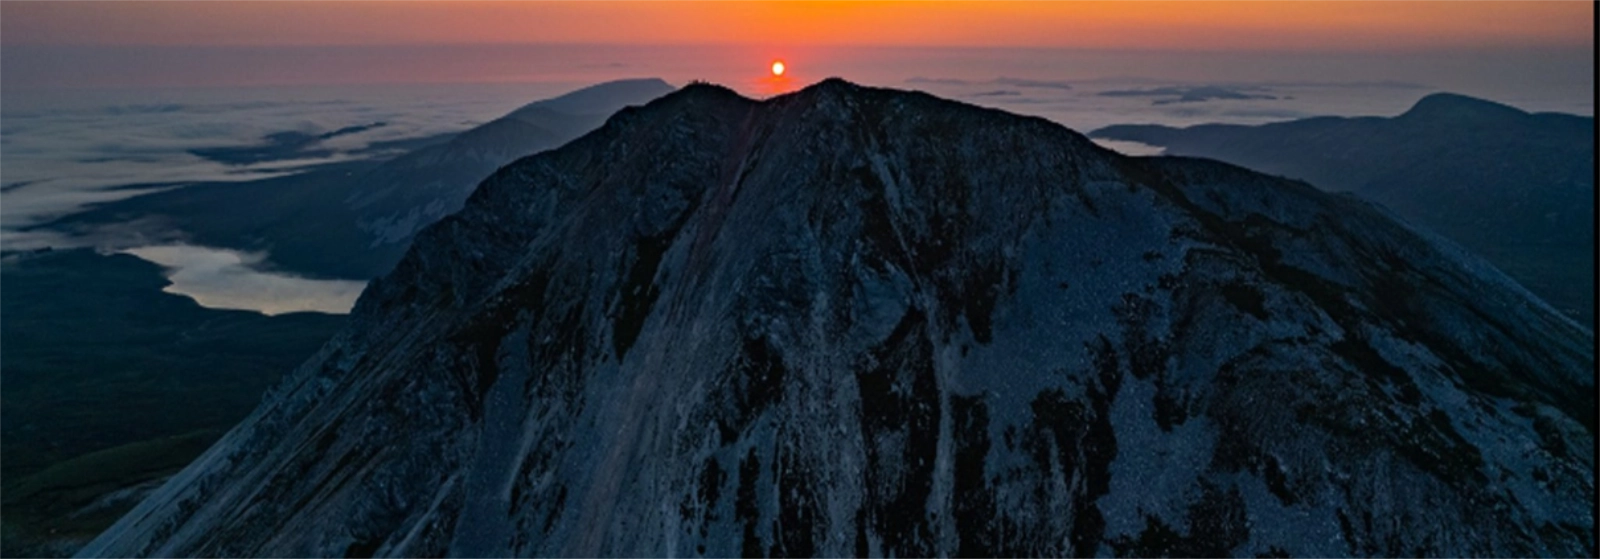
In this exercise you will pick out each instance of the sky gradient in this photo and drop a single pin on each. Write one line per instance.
(1320, 26)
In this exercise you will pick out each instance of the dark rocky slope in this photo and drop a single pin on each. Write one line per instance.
(852, 321)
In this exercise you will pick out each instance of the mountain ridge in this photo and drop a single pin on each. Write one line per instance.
(861, 321)
(1512, 186)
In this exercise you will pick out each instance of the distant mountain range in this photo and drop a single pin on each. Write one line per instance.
(1515, 187)
(414, 190)
(354, 220)
(862, 322)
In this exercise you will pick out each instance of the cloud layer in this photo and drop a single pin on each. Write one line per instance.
(225, 279)
(65, 150)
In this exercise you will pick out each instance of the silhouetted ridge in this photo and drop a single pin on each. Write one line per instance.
(1462, 107)
(608, 94)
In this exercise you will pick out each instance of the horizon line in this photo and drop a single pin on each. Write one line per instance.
(1278, 50)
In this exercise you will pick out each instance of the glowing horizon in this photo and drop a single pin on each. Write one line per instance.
(1204, 26)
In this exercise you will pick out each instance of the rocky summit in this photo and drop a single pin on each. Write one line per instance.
(856, 321)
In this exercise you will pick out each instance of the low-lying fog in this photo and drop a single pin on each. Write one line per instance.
(69, 145)
(226, 279)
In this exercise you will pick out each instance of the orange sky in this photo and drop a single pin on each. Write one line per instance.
(1333, 26)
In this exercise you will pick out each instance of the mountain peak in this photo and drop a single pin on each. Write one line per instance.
(1457, 106)
(861, 321)
(833, 85)
(707, 90)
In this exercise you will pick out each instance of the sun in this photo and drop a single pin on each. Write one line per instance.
(777, 67)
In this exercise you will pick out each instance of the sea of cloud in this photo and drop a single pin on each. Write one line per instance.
(1093, 104)
(63, 150)
(229, 279)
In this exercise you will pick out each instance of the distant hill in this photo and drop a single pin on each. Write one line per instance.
(409, 192)
(355, 219)
(1516, 187)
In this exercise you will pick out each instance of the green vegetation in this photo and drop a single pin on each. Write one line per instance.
(106, 383)
(70, 502)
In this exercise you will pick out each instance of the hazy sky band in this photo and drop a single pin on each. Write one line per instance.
(1320, 26)
(1482, 71)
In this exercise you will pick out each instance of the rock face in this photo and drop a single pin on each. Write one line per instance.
(853, 321)
(1514, 187)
